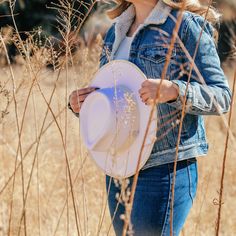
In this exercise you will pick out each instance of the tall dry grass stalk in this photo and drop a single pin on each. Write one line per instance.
(48, 185)
(226, 149)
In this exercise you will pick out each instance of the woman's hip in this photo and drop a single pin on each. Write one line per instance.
(151, 207)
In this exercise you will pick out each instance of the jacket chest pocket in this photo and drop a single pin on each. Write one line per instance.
(152, 60)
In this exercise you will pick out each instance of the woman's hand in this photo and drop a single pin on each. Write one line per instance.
(77, 98)
(168, 91)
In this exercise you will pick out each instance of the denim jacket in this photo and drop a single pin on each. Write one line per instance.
(208, 92)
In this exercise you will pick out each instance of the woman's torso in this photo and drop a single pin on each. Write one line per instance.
(148, 51)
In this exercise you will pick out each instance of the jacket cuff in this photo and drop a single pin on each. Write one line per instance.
(178, 103)
(76, 114)
(69, 107)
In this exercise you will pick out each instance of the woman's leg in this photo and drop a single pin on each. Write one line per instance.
(151, 208)
(185, 192)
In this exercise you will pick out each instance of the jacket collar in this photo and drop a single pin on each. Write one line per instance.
(157, 16)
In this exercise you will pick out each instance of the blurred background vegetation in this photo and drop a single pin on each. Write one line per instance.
(42, 16)
(31, 14)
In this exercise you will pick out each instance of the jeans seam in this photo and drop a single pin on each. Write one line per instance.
(168, 205)
(190, 180)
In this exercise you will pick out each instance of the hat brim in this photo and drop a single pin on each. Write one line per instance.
(121, 72)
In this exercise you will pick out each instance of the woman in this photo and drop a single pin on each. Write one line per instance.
(141, 33)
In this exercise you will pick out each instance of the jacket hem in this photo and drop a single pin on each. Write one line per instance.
(157, 159)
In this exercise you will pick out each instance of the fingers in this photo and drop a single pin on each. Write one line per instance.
(143, 90)
(146, 83)
(87, 90)
(144, 94)
(148, 91)
(144, 97)
(150, 82)
(149, 101)
(83, 91)
(77, 98)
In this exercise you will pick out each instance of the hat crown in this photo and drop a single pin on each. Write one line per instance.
(114, 120)
(111, 120)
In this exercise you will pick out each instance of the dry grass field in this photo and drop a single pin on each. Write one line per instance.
(50, 136)
(48, 183)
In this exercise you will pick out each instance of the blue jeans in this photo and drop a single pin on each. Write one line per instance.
(151, 207)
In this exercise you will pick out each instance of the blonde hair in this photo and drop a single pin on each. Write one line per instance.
(191, 5)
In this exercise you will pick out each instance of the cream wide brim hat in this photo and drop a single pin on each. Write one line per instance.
(100, 112)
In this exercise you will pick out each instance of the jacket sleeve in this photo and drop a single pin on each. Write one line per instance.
(106, 47)
(209, 95)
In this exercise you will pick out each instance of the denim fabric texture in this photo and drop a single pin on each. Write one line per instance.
(151, 210)
(208, 92)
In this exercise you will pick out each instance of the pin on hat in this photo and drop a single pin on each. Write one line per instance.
(113, 120)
